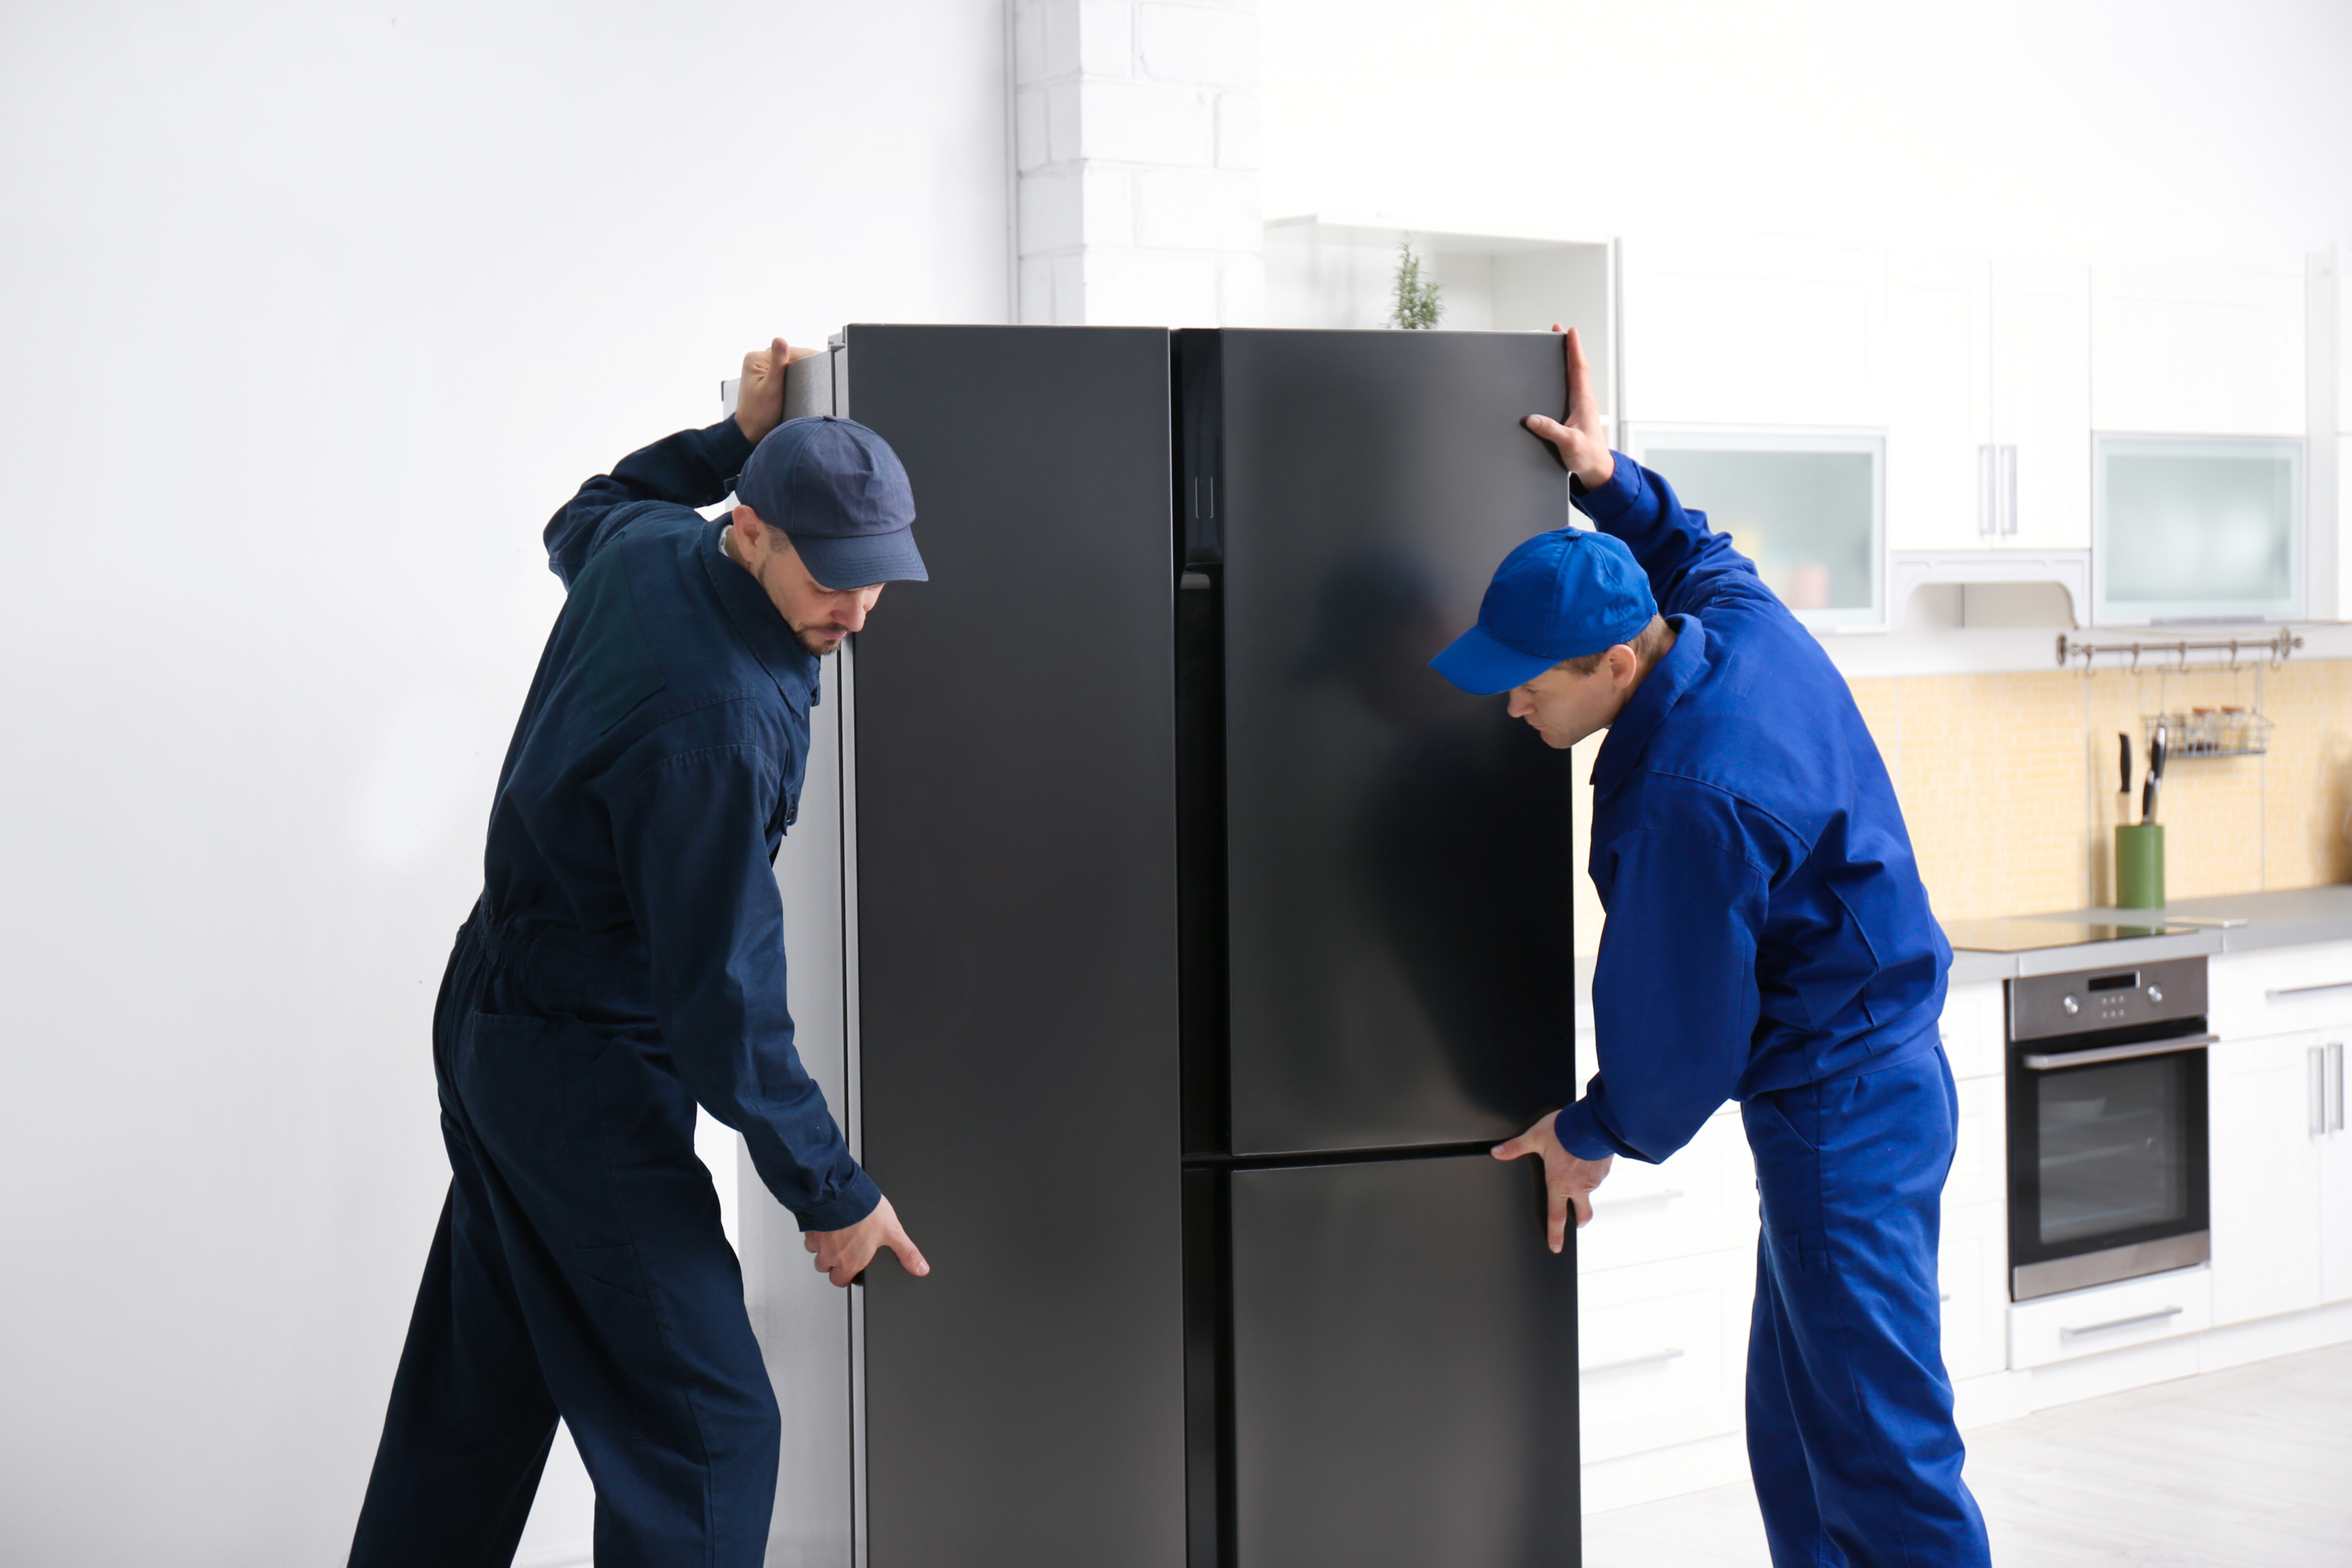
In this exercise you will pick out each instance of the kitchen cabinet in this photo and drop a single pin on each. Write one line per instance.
(1989, 418)
(1701, 1198)
(1775, 333)
(2110, 1317)
(1662, 1352)
(1806, 507)
(2266, 1106)
(1972, 1273)
(2214, 349)
(2197, 529)
(2335, 1170)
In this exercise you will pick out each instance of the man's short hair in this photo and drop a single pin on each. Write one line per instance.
(1649, 646)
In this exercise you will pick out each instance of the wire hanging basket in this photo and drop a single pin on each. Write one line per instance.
(2210, 732)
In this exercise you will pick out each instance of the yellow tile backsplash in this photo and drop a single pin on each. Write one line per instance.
(2009, 783)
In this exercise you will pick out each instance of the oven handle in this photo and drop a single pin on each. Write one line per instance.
(2121, 1053)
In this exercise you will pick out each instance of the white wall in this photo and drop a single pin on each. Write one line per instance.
(312, 314)
(2078, 126)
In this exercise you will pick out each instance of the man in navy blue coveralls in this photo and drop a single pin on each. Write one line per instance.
(624, 963)
(1770, 942)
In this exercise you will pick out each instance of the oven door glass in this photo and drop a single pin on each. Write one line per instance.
(2107, 1154)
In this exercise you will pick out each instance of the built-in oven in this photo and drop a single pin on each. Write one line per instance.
(2109, 1156)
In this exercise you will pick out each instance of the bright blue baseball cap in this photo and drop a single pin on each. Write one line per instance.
(841, 496)
(1561, 595)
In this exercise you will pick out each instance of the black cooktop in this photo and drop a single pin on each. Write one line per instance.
(2030, 935)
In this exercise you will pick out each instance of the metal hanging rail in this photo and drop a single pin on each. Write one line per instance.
(2275, 649)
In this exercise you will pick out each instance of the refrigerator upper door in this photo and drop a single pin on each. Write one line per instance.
(1404, 1369)
(1398, 857)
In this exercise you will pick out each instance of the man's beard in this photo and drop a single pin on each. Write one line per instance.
(815, 644)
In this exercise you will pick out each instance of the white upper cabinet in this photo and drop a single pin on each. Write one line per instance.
(2043, 408)
(1989, 425)
(1939, 404)
(1776, 333)
(2200, 350)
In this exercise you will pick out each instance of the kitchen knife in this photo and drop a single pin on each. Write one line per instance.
(2155, 776)
(2124, 743)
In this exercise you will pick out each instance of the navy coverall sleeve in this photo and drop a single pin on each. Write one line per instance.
(1675, 1002)
(691, 831)
(1690, 565)
(693, 467)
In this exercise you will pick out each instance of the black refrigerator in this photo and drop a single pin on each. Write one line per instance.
(1203, 941)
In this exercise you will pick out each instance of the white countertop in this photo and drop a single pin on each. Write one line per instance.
(2280, 919)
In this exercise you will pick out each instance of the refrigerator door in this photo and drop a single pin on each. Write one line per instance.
(1015, 972)
(1397, 860)
(1403, 1369)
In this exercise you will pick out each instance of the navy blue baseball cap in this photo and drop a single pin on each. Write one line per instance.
(1561, 595)
(841, 496)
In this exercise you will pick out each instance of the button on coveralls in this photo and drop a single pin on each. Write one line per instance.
(624, 963)
(1768, 941)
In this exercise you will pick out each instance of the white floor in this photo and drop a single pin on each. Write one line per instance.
(2245, 1468)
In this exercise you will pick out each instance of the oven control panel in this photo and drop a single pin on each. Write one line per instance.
(2094, 1001)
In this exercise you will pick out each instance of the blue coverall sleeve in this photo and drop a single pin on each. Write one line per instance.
(693, 855)
(1674, 1000)
(1690, 565)
(693, 467)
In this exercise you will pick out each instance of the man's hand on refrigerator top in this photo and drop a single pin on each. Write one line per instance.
(1568, 1180)
(759, 400)
(1579, 439)
(842, 1255)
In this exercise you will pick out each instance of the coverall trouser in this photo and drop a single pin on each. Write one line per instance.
(580, 1270)
(1850, 1433)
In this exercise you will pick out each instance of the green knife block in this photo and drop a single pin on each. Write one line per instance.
(2139, 865)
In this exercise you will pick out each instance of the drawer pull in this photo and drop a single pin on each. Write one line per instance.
(2156, 1317)
(1655, 1358)
(1666, 1196)
(2308, 990)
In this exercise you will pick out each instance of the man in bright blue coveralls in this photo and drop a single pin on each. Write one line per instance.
(1768, 941)
(624, 963)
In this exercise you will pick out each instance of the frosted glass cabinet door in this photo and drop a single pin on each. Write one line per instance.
(2197, 529)
(1809, 509)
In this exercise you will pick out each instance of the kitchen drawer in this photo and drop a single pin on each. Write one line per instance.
(1662, 1348)
(2110, 1317)
(1973, 1028)
(2276, 990)
(1973, 1273)
(1981, 1152)
(1702, 1199)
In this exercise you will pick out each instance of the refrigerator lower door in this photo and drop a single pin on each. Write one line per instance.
(1403, 1369)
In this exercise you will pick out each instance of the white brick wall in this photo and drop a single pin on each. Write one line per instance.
(1136, 133)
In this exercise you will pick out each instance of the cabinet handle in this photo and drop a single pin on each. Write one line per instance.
(1655, 1358)
(1988, 502)
(2335, 1085)
(1666, 1196)
(2308, 990)
(2315, 1080)
(2156, 1317)
(2008, 490)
